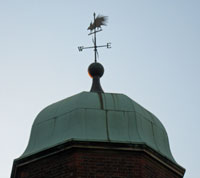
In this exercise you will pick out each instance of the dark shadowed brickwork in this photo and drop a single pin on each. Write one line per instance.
(95, 163)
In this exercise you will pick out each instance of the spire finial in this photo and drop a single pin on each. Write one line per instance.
(96, 70)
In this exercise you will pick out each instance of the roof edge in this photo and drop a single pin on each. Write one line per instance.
(141, 147)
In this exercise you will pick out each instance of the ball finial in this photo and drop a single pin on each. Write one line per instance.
(96, 71)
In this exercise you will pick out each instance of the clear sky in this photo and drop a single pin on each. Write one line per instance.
(155, 60)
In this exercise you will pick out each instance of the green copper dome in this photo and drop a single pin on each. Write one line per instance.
(101, 117)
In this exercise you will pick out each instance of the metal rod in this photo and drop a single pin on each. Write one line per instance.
(88, 47)
(101, 46)
(81, 47)
(95, 32)
(95, 42)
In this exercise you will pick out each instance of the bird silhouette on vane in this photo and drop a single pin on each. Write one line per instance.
(98, 22)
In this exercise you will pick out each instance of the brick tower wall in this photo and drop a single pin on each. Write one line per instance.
(95, 163)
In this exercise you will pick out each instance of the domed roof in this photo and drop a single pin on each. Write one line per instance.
(101, 117)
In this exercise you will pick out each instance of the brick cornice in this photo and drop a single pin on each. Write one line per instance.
(84, 145)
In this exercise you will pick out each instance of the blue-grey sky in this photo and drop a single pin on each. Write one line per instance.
(155, 60)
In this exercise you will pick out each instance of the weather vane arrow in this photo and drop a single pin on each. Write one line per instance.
(94, 28)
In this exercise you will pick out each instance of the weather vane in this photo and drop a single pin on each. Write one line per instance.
(94, 28)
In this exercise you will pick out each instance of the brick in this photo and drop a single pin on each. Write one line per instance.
(87, 163)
